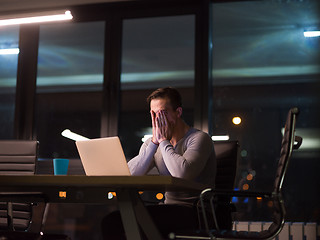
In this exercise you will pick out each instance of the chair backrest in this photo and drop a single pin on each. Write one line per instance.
(287, 145)
(227, 161)
(17, 157)
(226, 156)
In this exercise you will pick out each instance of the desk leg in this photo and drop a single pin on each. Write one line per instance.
(126, 207)
(146, 222)
(133, 212)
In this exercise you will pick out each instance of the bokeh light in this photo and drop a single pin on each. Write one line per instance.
(249, 177)
(159, 196)
(236, 120)
(245, 186)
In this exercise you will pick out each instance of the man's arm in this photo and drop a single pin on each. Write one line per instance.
(191, 163)
(144, 162)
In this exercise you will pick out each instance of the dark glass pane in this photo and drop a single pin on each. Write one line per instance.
(9, 39)
(69, 85)
(262, 66)
(156, 52)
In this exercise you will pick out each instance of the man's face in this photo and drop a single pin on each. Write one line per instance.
(156, 105)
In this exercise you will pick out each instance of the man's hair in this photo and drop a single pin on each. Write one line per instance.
(168, 92)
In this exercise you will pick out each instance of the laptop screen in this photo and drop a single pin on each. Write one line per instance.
(103, 157)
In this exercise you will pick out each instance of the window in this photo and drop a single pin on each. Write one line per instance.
(262, 66)
(9, 40)
(69, 85)
(156, 52)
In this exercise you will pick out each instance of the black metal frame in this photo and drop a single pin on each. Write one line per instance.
(26, 82)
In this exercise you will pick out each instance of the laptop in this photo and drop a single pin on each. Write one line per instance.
(103, 157)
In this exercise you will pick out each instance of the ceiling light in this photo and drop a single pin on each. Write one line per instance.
(8, 51)
(36, 17)
(311, 33)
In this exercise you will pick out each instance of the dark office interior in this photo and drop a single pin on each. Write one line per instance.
(227, 58)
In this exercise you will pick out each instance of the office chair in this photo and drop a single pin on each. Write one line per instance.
(289, 142)
(227, 161)
(18, 157)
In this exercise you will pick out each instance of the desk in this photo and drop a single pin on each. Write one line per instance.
(95, 189)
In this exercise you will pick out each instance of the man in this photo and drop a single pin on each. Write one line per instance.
(175, 149)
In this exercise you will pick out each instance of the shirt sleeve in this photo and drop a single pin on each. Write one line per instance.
(191, 163)
(144, 162)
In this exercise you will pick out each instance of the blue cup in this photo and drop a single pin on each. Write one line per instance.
(60, 166)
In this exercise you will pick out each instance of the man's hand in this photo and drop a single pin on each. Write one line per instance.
(153, 119)
(163, 130)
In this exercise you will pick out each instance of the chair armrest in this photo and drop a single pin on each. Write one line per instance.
(208, 195)
(233, 193)
(297, 142)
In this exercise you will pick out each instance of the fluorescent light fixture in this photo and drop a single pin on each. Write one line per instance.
(73, 136)
(311, 138)
(9, 51)
(311, 33)
(49, 16)
(220, 138)
(145, 137)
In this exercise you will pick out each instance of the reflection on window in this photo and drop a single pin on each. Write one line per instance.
(69, 85)
(71, 57)
(9, 43)
(268, 42)
(156, 52)
(262, 66)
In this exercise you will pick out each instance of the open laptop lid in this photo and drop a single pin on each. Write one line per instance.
(103, 157)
